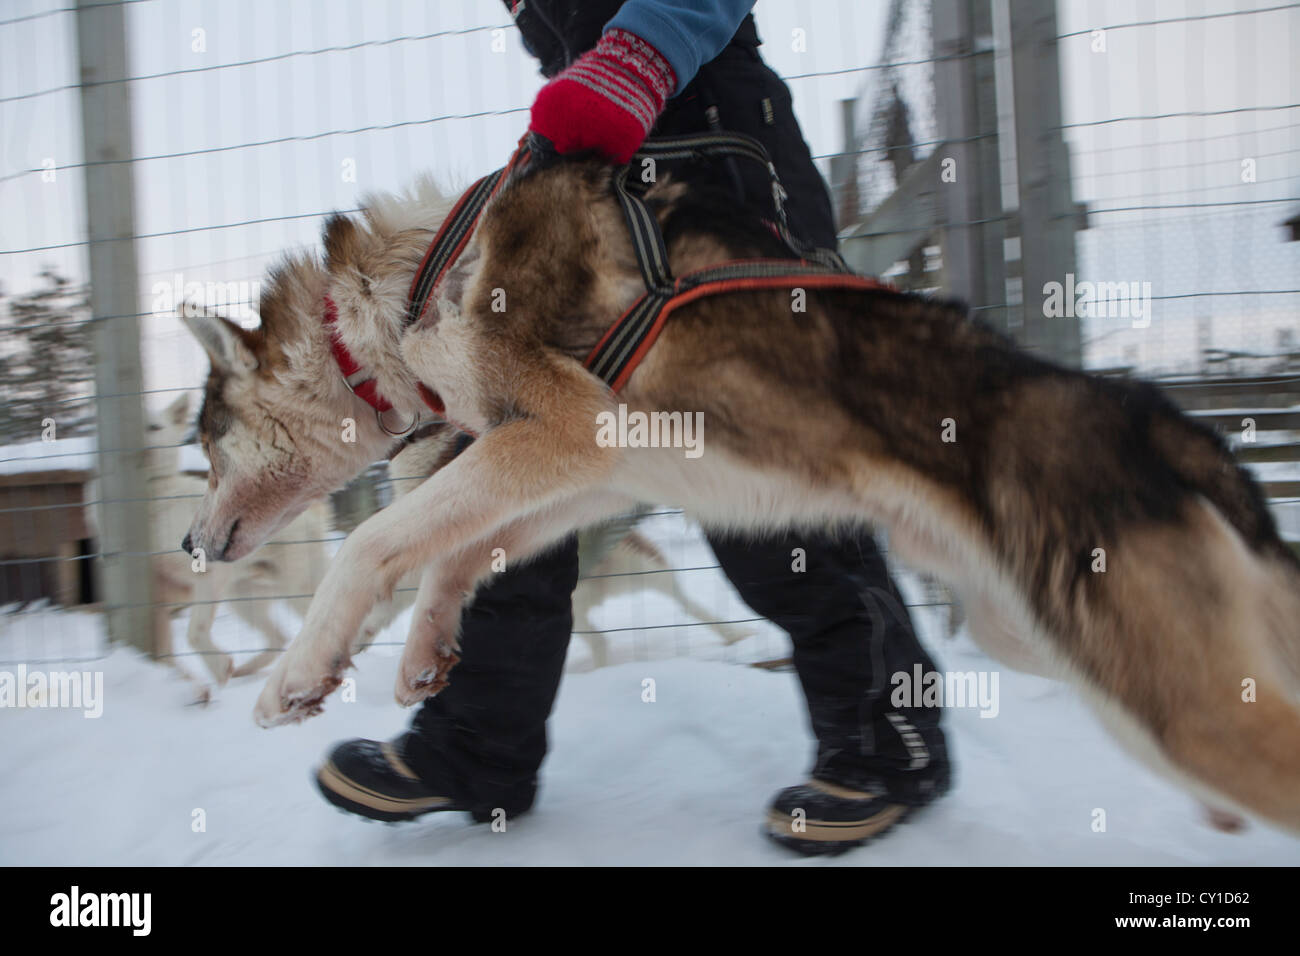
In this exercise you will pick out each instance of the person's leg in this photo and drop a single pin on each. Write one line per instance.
(851, 633)
(485, 733)
(845, 617)
(477, 745)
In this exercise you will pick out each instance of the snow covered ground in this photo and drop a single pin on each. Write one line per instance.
(682, 780)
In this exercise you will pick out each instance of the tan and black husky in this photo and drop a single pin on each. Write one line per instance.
(1092, 531)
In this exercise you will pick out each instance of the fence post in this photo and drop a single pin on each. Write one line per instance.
(970, 206)
(1047, 215)
(125, 581)
(844, 168)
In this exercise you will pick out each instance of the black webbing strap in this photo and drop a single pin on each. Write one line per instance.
(647, 239)
(456, 230)
(627, 340)
(448, 241)
(614, 352)
(701, 146)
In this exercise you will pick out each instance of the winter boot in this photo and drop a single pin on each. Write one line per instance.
(374, 779)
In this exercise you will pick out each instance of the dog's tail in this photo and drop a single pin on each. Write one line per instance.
(1207, 466)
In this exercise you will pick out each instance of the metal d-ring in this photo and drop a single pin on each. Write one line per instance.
(415, 420)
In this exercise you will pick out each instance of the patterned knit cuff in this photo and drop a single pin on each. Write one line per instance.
(629, 73)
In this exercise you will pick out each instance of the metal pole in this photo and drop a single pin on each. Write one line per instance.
(970, 194)
(1047, 213)
(844, 169)
(126, 584)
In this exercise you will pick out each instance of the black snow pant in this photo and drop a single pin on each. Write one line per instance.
(485, 734)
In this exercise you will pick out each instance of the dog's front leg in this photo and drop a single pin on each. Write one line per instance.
(433, 629)
(518, 468)
(445, 589)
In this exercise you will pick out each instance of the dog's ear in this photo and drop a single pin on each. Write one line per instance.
(340, 238)
(224, 341)
(178, 412)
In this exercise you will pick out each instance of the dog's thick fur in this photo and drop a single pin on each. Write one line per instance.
(831, 417)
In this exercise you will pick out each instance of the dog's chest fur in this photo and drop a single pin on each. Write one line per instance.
(441, 354)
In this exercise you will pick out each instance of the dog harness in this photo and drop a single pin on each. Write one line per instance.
(616, 356)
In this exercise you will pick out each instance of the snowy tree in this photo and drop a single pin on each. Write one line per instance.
(46, 361)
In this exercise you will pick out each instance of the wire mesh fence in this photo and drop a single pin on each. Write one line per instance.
(255, 121)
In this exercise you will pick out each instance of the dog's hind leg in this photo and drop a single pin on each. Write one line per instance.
(208, 593)
(729, 633)
(1203, 688)
(258, 613)
(584, 599)
(663, 582)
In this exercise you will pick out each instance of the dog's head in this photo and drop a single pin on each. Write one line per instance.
(278, 425)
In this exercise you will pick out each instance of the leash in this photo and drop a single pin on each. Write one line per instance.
(627, 341)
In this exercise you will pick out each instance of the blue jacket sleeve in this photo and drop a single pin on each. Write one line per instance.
(689, 33)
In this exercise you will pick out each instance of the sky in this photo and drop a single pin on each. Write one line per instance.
(271, 197)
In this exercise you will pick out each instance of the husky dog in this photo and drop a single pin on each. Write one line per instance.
(292, 565)
(1092, 531)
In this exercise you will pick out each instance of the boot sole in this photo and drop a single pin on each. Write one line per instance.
(821, 837)
(347, 794)
(833, 837)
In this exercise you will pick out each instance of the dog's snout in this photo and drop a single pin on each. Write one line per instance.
(185, 543)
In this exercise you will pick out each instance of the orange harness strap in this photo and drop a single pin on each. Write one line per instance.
(629, 339)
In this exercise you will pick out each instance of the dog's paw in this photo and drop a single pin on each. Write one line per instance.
(424, 672)
(1225, 821)
(296, 690)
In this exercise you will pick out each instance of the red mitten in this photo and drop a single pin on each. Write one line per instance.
(607, 100)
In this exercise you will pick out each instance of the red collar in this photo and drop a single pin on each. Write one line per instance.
(367, 389)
